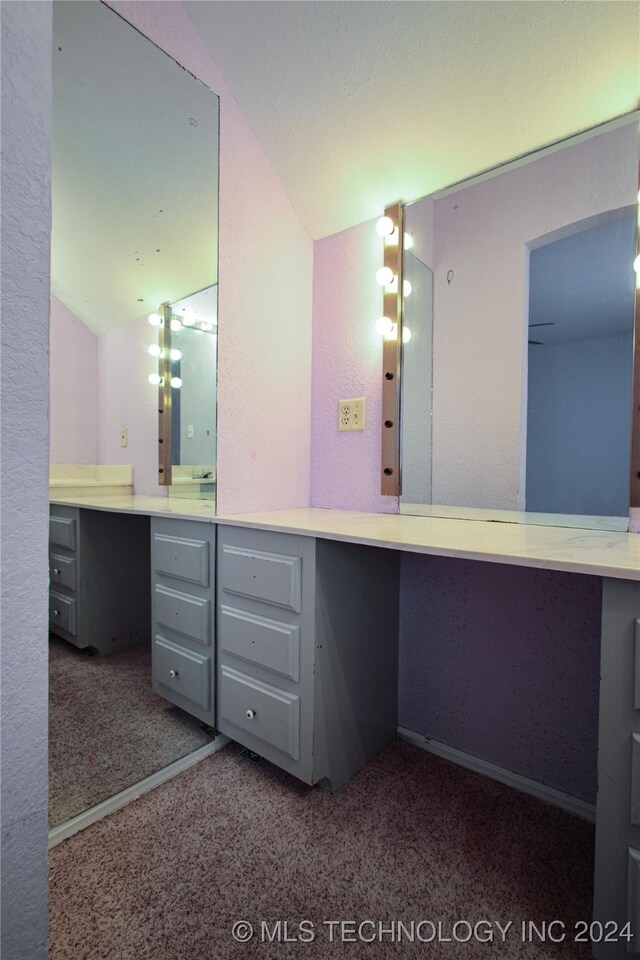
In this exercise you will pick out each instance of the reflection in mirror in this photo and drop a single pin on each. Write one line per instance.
(516, 382)
(135, 174)
(193, 416)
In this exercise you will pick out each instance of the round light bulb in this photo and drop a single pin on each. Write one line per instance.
(385, 227)
(406, 288)
(155, 350)
(406, 334)
(385, 276)
(393, 333)
(384, 326)
(176, 354)
(176, 383)
(176, 325)
(636, 264)
(155, 379)
(188, 321)
(206, 326)
(408, 241)
(155, 319)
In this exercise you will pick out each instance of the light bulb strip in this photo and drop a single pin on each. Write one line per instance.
(390, 482)
(164, 397)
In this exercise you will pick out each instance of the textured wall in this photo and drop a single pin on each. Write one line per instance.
(347, 362)
(579, 399)
(503, 662)
(127, 399)
(265, 272)
(73, 373)
(26, 222)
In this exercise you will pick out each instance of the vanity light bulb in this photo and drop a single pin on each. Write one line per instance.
(155, 350)
(155, 379)
(384, 326)
(406, 334)
(206, 326)
(385, 227)
(408, 241)
(176, 325)
(406, 288)
(636, 264)
(155, 319)
(176, 383)
(385, 276)
(188, 321)
(176, 354)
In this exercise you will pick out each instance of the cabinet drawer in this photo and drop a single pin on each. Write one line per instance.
(183, 671)
(270, 577)
(270, 714)
(636, 685)
(182, 558)
(268, 643)
(633, 899)
(62, 612)
(188, 615)
(62, 570)
(62, 532)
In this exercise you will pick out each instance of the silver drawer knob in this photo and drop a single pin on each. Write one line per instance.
(56, 571)
(56, 613)
(250, 714)
(173, 674)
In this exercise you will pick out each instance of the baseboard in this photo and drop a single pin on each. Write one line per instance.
(85, 819)
(573, 805)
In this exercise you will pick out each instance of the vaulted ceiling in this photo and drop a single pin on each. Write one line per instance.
(358, 104)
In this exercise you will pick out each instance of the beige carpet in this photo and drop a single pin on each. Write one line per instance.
(107, 728)
(412, 837)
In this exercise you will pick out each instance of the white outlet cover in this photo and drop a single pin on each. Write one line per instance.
(351, 414)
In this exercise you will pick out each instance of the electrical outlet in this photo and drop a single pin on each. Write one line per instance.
(351, 414)
(124, 437)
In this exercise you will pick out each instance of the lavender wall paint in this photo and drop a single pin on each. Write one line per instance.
(73, 370)
(127, 399)
(26, 226)
(503, 662)
(265, 273)
(347, 362)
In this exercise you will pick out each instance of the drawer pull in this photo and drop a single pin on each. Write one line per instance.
(173, 674)
(250, 714)
(56, 571)
(56, 613)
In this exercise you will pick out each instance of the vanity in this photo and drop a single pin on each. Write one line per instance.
(296, 656)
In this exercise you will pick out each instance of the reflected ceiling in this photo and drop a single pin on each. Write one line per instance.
(135, 171)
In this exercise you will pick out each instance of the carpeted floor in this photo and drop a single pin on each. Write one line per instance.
(411, 838)
(107, 728)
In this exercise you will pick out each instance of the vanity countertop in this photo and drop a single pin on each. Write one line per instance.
(601, 553)
(598, 552)
(186, 509)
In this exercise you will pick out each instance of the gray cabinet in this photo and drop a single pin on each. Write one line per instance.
(99, 578)
(617, 866)
(307, 650)
(183, 605)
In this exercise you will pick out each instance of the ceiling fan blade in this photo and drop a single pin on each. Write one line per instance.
(551, 323)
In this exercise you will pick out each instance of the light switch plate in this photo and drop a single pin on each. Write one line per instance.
(190, 432)
(124, 437)
(351, 414)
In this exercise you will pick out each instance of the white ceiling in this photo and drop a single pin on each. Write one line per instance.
(135, 171)
(358, 104)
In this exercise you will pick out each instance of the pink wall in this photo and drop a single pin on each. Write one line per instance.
(73, 366)
(127, 399)
(265, 273)
(347, 362)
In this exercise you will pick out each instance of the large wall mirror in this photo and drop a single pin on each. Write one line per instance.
(517, 377)
(135, 214)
